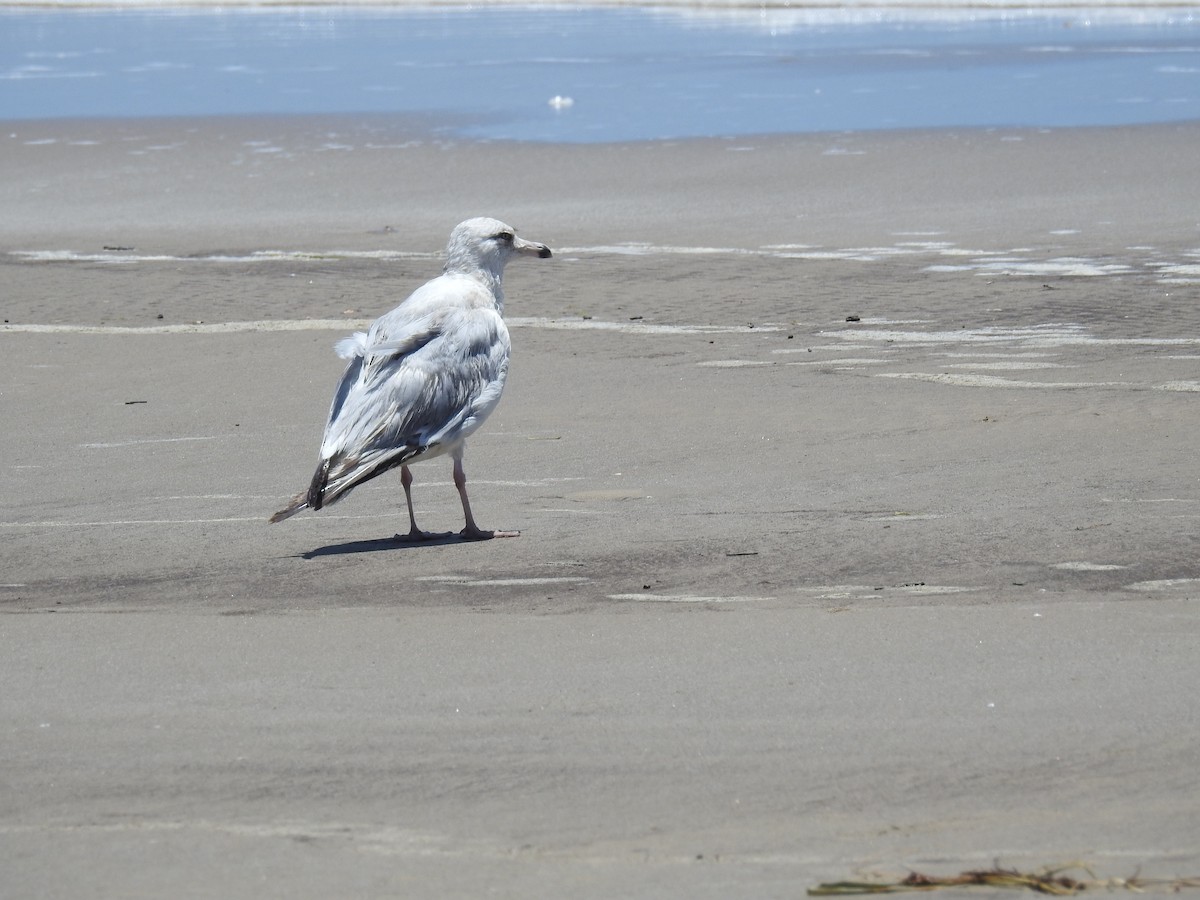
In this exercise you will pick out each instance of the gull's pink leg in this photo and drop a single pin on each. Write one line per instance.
(414, 533)
(472, 532)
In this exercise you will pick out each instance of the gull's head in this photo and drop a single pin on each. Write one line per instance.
(486, 245)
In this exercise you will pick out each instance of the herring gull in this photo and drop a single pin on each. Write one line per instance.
(423, 378)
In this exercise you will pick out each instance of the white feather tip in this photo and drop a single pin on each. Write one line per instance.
(355, 345)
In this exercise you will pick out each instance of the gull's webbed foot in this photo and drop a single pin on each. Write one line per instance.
(479, 534)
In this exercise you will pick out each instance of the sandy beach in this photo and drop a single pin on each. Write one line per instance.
(856, 476)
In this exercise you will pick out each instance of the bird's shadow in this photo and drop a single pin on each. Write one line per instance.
(378, 545)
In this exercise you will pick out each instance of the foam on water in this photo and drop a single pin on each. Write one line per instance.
(129, 257)
(1019, 261)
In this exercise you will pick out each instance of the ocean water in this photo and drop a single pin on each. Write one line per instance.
(580, 74)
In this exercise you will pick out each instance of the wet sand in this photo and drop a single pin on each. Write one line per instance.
(855, 474)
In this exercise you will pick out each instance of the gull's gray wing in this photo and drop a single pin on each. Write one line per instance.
(418, 389)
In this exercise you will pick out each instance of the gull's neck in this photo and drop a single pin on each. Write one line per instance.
(492, 279)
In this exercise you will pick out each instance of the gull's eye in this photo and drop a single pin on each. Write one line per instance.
(505, 236)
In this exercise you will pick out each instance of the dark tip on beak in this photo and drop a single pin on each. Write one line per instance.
(544, 253)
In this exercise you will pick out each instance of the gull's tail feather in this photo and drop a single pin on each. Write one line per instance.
(313, 498)
(337, 476)
(299, 502)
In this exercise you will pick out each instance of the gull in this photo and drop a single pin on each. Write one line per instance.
(423, 378)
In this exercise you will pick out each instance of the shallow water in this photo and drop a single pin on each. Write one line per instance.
(618, 74)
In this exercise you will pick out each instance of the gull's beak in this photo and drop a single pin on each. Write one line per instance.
(531, 248)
